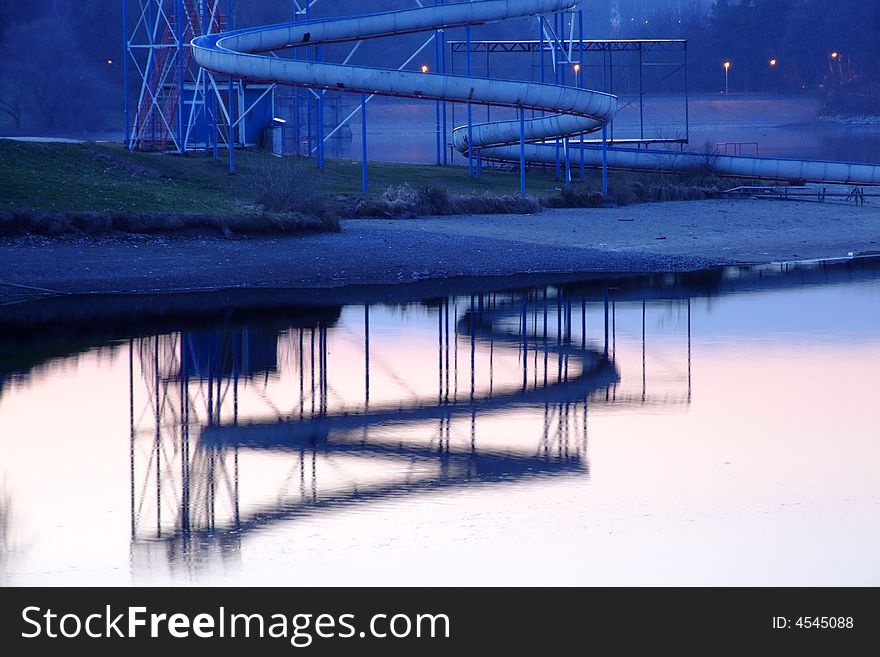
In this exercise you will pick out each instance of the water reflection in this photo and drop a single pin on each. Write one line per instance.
(194, 432)
(249, 425)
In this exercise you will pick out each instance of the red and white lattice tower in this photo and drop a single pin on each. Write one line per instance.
(173, 92)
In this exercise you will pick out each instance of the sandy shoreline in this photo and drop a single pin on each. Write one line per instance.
(652, 237)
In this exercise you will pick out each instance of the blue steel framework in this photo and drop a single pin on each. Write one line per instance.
(175, 97)
(568, 53)
(156, 37)
(166, 76)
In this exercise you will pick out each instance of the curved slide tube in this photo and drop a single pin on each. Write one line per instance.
(572, 111)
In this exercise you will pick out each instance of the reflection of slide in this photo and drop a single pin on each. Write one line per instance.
(572, 111)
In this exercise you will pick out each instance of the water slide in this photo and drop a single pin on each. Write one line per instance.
(569, 111)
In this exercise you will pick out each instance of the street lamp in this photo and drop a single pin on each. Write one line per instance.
(424, 68)
(835, 55)
(726, 78)
(773, 62)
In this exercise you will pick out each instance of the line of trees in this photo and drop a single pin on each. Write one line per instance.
(779, 45)
(61, 60)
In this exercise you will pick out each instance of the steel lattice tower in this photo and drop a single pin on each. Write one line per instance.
(173, 92)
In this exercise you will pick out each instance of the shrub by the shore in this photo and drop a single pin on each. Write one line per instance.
(24, 222)
(402, 201)
(623, 193)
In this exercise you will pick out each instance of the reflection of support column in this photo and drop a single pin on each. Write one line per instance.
(613, 331)
(644, 371)
(184, 444)
(301, 376)
(312, 368)
(546, 349)
(131, 429)
(606, 321)
(366, 357)
(455, 354)
(158, 440)
(689, 351)
(473, 330)
(525, 340)
(446, 332)
(584, 324)
(440, 353)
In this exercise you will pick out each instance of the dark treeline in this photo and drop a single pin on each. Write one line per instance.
(779, 45)
(61, 60)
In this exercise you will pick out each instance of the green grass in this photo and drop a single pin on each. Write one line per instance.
(47, 179)
(97, 178)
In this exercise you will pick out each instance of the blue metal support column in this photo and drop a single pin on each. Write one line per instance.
(567, 150)
(232, 119)
(641, 94)
(580, 80)
(179, 36)
(605, 159)
(297, 128)
(125, 56)
(297, 137)
(319, 126)
(215, 107)
(606, 322)
(557, 63)
(541, 47)
(438, 49)
(470, 108)
(443, 71)
(687, 104)
(364, 143)
(611, 81)
(522, 152)
(308, 95)
(206, 27)
(232, 103)
(541, 62)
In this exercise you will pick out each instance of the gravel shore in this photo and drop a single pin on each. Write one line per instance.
(644, 238)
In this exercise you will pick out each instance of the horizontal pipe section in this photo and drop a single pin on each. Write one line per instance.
(764, 168)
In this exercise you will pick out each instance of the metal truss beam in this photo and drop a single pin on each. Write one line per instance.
(569, 45)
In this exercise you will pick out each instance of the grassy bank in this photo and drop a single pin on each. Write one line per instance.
(51, 188)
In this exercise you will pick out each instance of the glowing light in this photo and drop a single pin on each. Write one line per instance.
(773, 62)
(577, 68)
(110, 61)
(726, 66)
(424, 68)
(835, 55)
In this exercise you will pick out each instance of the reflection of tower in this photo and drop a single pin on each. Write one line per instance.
(178, 486)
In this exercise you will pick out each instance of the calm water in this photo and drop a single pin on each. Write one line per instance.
(772, 126)
(719, 428)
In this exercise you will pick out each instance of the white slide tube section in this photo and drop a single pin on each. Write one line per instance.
(572, 111)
